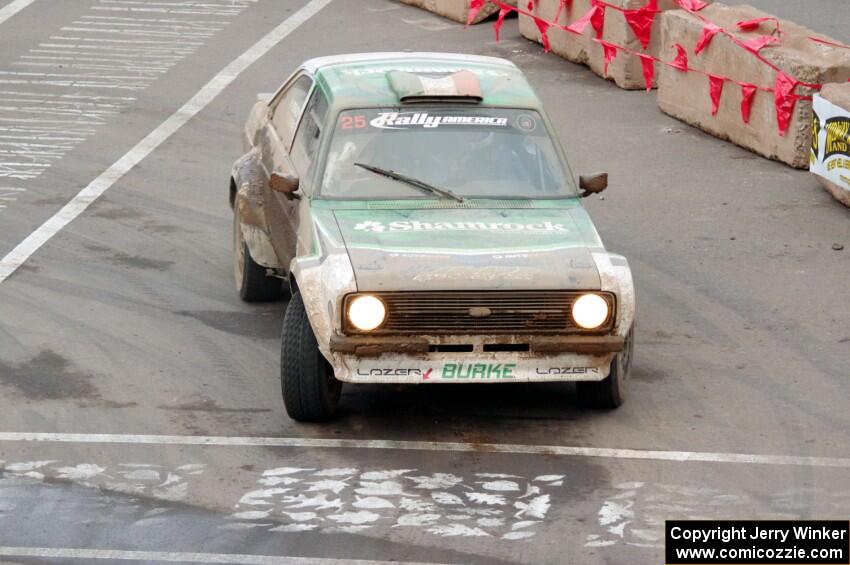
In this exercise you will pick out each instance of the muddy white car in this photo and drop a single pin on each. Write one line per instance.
(421, 212)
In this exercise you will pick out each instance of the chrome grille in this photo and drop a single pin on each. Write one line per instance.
(474, 312)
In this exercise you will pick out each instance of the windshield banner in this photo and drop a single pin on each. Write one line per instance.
(403, 120)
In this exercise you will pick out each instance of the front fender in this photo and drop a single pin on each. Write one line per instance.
(249, 178)
(323, 282)
(616, 276)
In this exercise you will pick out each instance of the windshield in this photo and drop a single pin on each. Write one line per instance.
(472, 152)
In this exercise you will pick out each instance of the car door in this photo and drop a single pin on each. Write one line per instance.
(281, 209)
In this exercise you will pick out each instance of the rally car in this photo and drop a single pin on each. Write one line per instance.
(421, 212)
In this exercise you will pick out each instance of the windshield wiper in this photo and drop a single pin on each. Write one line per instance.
(416, 183)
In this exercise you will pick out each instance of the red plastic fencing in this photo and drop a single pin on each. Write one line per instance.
(641, 20)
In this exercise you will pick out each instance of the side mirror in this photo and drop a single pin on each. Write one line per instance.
(593, 184)
(265, 97)
(285, 182)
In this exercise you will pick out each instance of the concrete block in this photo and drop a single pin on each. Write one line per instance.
(457, 10)
(836, 191)
(569, 46)
(625, 70)
(685, 95)
(838, 94)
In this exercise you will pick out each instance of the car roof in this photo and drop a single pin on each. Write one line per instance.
(360, 80)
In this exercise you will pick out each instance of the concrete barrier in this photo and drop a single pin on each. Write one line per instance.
(831, 151)
(626, 71)
(685, 95)
(457, 10)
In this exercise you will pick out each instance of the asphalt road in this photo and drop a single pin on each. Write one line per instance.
(127, 323)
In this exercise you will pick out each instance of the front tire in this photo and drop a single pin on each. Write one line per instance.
(252, 279)
(310, 390)
(610, 392)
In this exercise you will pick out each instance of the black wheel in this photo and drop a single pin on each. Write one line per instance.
(252, 279)
(610, 392)
(310, 391)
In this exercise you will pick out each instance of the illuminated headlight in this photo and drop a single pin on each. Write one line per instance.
(366, 312)
(590, 311)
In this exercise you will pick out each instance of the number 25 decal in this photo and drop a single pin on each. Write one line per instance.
(353, 122)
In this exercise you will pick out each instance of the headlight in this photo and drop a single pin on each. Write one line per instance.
(366, 312)
(590, 311)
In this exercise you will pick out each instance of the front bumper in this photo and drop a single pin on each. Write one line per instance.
(412, 360)
(369, 346)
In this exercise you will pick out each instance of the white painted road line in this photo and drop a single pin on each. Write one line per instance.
(179, 557)
(13, 8)
(318, 443)
(24, 250)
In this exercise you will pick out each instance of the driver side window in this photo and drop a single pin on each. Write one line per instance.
(309, 132)
(288, 109)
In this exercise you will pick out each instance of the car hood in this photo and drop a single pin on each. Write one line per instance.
(470, 248)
